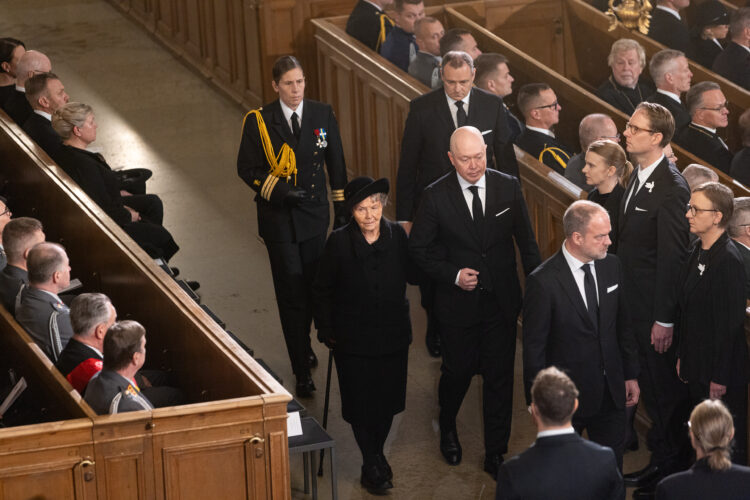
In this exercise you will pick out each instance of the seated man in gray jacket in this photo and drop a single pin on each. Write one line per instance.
(41, 311)
(19, 237)
(426, 66)
(114, 390)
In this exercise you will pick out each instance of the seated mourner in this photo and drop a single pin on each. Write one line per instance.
(19, 237)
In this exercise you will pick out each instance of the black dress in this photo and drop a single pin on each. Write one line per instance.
(360, 296)
(611, 202)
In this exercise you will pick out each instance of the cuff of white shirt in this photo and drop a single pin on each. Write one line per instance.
(665, 325)
(458, 275)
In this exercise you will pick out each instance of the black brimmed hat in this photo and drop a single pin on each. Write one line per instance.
(362, 188)
(711, 13)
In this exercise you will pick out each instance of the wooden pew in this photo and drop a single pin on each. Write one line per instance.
(230, 440)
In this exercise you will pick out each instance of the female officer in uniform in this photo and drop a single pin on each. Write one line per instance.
(284, 146)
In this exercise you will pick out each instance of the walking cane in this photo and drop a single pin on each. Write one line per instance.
(325, 406)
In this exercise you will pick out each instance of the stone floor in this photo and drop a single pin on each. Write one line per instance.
(154, 112)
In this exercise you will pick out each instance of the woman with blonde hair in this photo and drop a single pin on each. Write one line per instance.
(607, 169)
(713, 475)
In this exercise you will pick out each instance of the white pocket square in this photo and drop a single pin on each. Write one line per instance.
(501, 213)
(638, 209)
(611, 288)
(486, 132)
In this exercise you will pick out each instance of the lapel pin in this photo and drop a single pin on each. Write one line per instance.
(649, 186)
(701, 268)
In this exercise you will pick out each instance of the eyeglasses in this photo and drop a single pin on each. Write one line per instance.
(695, 210)
(637, 130)
(721, 106)
(553, 106)
(615, 137)
(6, 212)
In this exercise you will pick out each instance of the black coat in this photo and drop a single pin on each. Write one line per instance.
(740, 169)
(704, 52)
(700, 482)
(444, 240)
(711, 327)
(536, 144)
(364, 24)
(426, 142)
(360, 290)
(40, 130)
(624, 98)
(276, 220)
(734, 64)
(678, 110)
(18, 107)
(670, 31)
(611, 202)
(745, 254)
(5, 92)
(12, 279)
(652, 242)
(558, 331)
(706, 146)
(564, 467)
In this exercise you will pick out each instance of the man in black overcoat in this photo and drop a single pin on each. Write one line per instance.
(734, 61)
(671, 72)
(432, 119)
(46, 94)
(463, 239)
(652, 243)
(576, 318)
(293, 208)
(369, 23)
(667, 27)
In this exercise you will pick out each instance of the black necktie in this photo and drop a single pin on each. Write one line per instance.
(634, 189)
(295, 126)
(460, 114)
(589, 288)
(476, 207)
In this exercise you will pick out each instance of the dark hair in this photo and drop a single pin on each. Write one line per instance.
(44, 260)
(452, 40)
(122, 341)
(88, 310)
(282, 65)
(739, 21)
(722, 199)
(554, 395)
(660, 120)
(486, 66)
(527, 95)
(456, 59)
(7, 46)
(17, 236)
(36, 86)
(398, 5)
(694, 96)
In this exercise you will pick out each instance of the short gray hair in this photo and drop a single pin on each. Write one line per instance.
(696, 174)
(44, 260)
(88, 310)
(456, 59)
(662, 63)
(740, 217)
(624, 45)
(694, 96)
(381, 197)
(578, 215)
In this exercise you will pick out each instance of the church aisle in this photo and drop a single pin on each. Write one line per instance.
(154, 112)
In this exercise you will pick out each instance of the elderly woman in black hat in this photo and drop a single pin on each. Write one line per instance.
(361, 312)
(710, 28)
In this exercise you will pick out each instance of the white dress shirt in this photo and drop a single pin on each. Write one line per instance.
(44, 114)
(643, 175)
(671, 11)
(579, 276)
(541, 131)
(555, 432)
(454, 110)
(288, 113)
(375, 5)
(469, 197)
(670, 94)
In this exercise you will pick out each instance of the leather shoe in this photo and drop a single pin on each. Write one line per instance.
(385, 467)
(312, 359)
(643, 476)
(492, 463)
(305, 386)
(374, 481)
(450, 447)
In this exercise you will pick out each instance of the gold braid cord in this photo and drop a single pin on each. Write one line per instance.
(558, 157)
(381, 37)
(283, 165)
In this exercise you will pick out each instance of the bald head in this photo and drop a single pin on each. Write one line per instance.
(595, 127)
(464, 136)
(468, 153)
(31, 62)
(48, 267)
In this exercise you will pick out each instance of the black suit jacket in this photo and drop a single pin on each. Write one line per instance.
(745, 254)
(740, 169)
(18, 107)
(535, 143)
(40, 129)
(652, 243)
(558, 331)
(445, 239)
(564, 467)
(704, 52)
(623, 98)
(706, 146)
(277, 221)
(5, 92)
(678, 110)
(670, 31)
(12, 279)
(734, 64)
(364, 24)
(711, 327)
(426, 142)
(700, 482)
(611, 204)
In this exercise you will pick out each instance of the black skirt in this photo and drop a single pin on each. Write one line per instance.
(372, 388)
